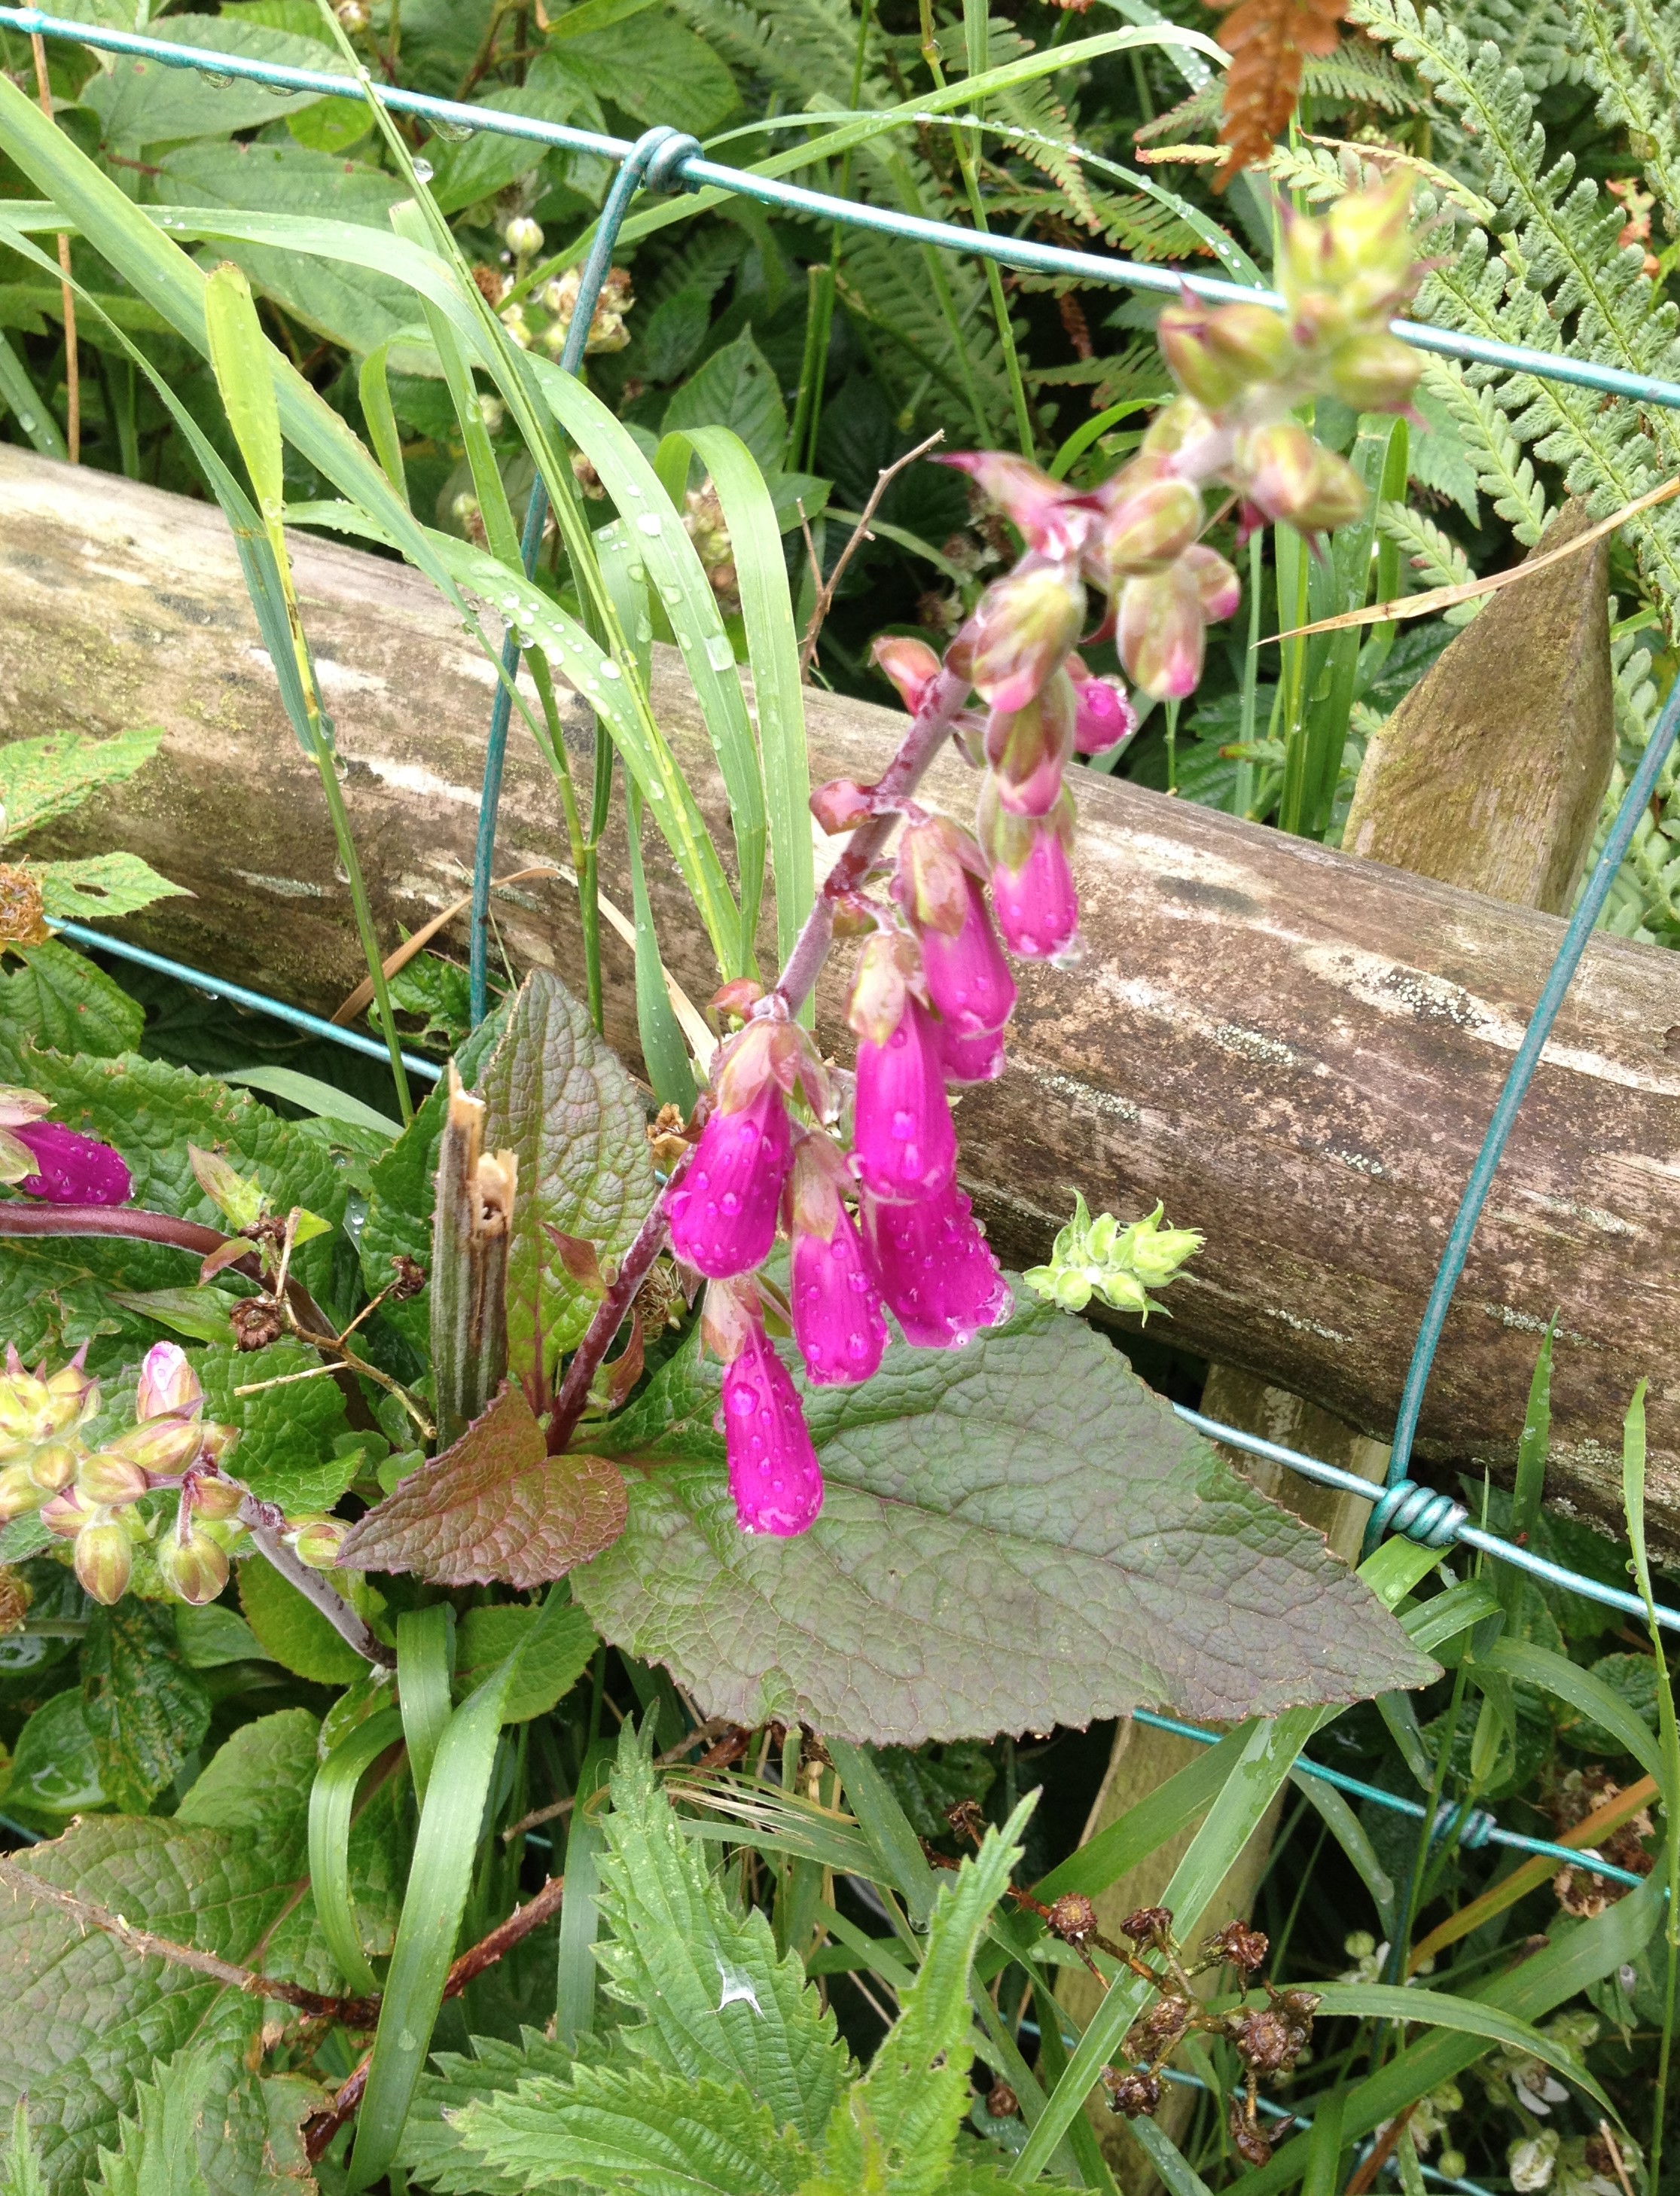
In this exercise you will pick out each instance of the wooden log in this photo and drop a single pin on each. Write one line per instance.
(1296, 1050)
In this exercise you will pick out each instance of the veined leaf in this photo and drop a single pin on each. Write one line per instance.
(157, 2150)
(143, 102)
(432, 2151)
(145, 1710)
(63, 1001)
(100, 886)
(42, 778)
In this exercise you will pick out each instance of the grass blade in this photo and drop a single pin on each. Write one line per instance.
(332, 1799)
(425, 1667)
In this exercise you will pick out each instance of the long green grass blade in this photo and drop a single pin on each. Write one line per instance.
(426, 1668)
(1535, 1444)
(374, 388)
(332, 1799)
(20, 397)
(1468, 2016)
(580, 1917)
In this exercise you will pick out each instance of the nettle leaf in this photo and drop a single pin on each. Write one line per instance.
(1014, 1535)
(83, 2021)
(141, 102)
(159, 2151)
(102, 886)
(59, 1000)
(145, 1708)
(901, 2119)
(559, 1099)
(562, 1651)
(42, 778)
(653, 67)
(736, 388)
(432, 2151)
(718, 2003)
(494, 1506)
(638, 2130)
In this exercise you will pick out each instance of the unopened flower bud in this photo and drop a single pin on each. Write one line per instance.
(1251, 339)
(163, 1447)
(1146, 529)
(219, 1442)
(109, 1480)
(1032, 892)
(168, 1384)
(1049, 516)
(64, 1513)
(1103, 715)
(1028, 749)
(1279, 467)
(316, 1541)
(1023, 627)
(840, 805)
(18, 1492)
(931, 880)
(1216, 583)
(104, 1560)
(1374, 373)
(1181, 432)
(72, 1169)
(75, 1393)
(28, 1413)
(54, 1465)
(1182, 331)
(1162, 631)
(909, 663)
(522, 237)
(888, 966)
(215, 1498)
(1366, 231)
(195, 1568)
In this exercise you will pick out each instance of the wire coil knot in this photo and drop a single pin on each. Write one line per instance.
(1431, 1519)
(1475, 1825)
(661, 168)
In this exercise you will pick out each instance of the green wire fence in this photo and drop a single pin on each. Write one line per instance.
(664, 159)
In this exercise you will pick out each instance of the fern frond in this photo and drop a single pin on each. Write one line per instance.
(1431, 551)
(1632, 62)
(1134, 372)
(1503, 474)
(1142, 228)
(1563, 282)
(804, 50)
(885, 285)
(703, 261)
(1534, 36)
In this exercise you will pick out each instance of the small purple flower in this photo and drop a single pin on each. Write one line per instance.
(979, 1059)
(968, 979)
(904, 1141)
(836, 1306)
(1037, 907)
(723, 1212)
(71, 1169)
(935, 1269)
(773, 1472)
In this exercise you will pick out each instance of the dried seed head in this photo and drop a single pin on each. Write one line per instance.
(1130, 2092)
(1072, 1917)
(1155, 2031)
(1001, 2102)
(967, 1819)
(1252, 2146)
(15, 1600)
(1265, 2041)
(409, 1277)
(255, 1321)
(1244, 1945)
(1150, 1925)
(22, 910)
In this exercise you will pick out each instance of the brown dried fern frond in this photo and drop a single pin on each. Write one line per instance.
(1268, 41)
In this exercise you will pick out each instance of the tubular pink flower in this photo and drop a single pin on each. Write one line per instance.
(72, 1169)
(980, 1058)
(968, 979)
(168, 1383)
(1028, 749)
(836, 1306)
(1103, 714)
(773, 1472)
(723, 1212)
(1024, 624)
(937, 1272)
(904, 1143)
(1049, 516)
(1032, 892)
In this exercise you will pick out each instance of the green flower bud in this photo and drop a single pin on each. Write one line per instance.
(65, 1514)
(110, 1480)
(1374, 373)
(316, 1540)
(1192, 360)
(1163, 632)
(1145, 529)
(54, 1465)
(195, 1569)
(1252, 340)
(1100, 1257)
(163, 1447)
(18, 1492)
(217, 1497)
(104, 1559)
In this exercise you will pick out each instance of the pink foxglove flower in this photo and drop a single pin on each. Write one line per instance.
(836, 1305)
(773, 1472)
(1032, 892)
(937, 1272)
(904, 1141)
(980, 1058)
(71, 1169)
(937, 885)
(1103, 713)
(722, 1213)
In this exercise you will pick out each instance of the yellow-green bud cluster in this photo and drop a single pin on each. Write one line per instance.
(1120, 1264)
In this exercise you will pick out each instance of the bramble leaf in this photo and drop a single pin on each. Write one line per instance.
(145, 1710)
(559, 1099)
(495, 1505)
(1014, 1535)
(100, 886)
(42, 778)
(58, 999)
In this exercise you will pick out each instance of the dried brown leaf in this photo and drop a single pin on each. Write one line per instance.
(1267, 40)
(494, 1507)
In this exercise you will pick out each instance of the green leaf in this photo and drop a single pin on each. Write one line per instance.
(560, 1102)
(20, 2171)
(157, 2153)
(142, 103)
(46, 778)
(100, 887)
(900, 2121)
(1468, 2016)
(60, 1000)
(145, 1709)
(239, 360)
(84, 2024)
(286, 1451)
(494, 1506)
(972, 1569)
(638, 2131)
(737, 389)
(211, 1638)
(325, 1101)
(717, 2004)
(201, 1314)
(432, 2151)
(356, 308)
(331, 1798)
(291, 1630)
(558, 1657)
(655, 68)
(54, 1769)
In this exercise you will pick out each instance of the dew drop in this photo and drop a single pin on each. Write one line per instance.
(718, 653)
(672, 594)
(217, 80)
(424, 171)
(610, 671)
(453, 133)
(648, 522)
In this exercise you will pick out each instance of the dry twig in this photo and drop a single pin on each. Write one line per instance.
(860, 532)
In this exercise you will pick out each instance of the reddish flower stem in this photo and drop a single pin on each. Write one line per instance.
(929, 728)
